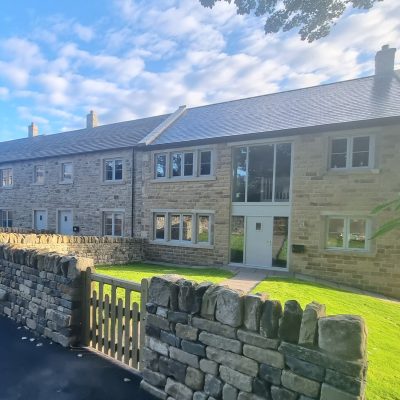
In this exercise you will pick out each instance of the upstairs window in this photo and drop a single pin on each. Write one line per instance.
(183, 164)
(347, 233)
(6, 219)
(67, 171)
(6, 177)
(38, 174)
(113, 170)
(113, 223)
(351, 152)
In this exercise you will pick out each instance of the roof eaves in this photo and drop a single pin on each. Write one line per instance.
(158, 130)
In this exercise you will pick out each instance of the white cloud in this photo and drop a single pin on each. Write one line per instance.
(83, 32)
(4, 93)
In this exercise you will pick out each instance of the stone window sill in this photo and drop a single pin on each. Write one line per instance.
(122, 182)
(348, 252)
(185, 179)
(350, 171)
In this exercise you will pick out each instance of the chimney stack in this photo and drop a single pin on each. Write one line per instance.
(92, 120)
(33, 130)
(384, 61)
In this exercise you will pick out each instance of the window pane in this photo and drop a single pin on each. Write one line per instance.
(67, 171)
(118, 170)
(203, 229)
(280, 242)
(188, 168)
(205, 163)
(237, 239)
(39, 174)
(261, 168)
(282, 171)
(108, 224)
(176, 164)
(239, 174)
(6, 177)
(335, 232)
(109, 170)
(117, 224)
(357, 234)
(160, 226)
(361, 152)
(9, 219)
(187, 228)
(339, 153)
(175, 227)
(161, 166)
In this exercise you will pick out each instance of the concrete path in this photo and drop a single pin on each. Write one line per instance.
(50, 372)
(246, 279)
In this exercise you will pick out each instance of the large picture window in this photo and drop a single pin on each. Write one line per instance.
(262, 173)
(347, 233)
(351, 152)
(182, 227)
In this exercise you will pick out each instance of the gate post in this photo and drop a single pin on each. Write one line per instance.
(143, 314)
(86, 285)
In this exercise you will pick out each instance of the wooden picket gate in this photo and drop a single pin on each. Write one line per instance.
(112, 323)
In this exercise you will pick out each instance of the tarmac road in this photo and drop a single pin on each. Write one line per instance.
(51, 372)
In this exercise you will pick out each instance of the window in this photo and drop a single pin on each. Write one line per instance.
(67, 170)
(347, 233)
(262, 173)
(113, 223)
(6, 219)
(183, 164)
(6, 177)
(189, 228)
(351, 152)
(113, 170)
(237, 239)
(38, 174)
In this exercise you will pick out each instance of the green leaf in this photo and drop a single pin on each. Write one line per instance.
(384, 206)
(387, 227)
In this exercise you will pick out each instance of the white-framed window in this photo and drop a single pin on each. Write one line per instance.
(347, 233)
(6, 177)
(113, 170)
(351, 152)
(6, 219)
(38, 174)
(67, 172)
(113, 223)
(183, 164)
(183, 227)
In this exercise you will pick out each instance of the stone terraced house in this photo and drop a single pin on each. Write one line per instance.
(285, 181)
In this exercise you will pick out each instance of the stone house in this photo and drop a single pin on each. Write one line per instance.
(284, 181)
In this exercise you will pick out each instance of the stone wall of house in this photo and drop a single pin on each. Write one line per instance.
(43, 291)
(87, 196)
(103, 250)
(189, 195)
(319, 192)
(210, 342)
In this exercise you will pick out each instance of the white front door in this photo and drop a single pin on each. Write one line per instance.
(65, 223)
(259, 241)
(40, 220)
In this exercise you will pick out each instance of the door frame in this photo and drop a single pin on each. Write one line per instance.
(34, 210)
(58, 210)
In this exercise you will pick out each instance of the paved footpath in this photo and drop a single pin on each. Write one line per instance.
(50, 372)
(245, 279)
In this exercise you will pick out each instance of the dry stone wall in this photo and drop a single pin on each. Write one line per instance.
(43, 291)
(103, 250)
(207, 342)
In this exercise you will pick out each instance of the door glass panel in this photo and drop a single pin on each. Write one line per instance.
(237, 239)
(357, 234)
(261, 170)
(239, 174)
(282, 171)
(280, 242)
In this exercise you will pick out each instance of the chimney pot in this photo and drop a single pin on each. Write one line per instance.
(33, 130)
(384, 60)
(91, 120)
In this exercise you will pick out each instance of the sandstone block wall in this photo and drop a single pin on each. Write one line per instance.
(103, 250)
(210, 342)
(43, 291)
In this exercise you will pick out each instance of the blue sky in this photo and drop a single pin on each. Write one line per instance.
(128, 59)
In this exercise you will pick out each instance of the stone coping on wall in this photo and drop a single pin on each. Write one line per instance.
(210, 342)
(43, 291)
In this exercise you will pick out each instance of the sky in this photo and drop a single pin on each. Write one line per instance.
(129, 59)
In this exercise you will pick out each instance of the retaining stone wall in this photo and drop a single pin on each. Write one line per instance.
(43, 291)
(210, 342)
(103, 250)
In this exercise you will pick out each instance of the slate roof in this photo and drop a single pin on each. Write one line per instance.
(359, 99)
(104, 137)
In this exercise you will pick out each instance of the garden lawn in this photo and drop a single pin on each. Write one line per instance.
(383, 322)
(136, 272)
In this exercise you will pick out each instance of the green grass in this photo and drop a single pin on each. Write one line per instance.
(136, 272)
(383, 322)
